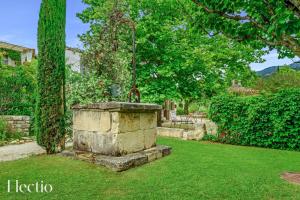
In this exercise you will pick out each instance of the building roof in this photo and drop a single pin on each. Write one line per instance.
(6, 45)
(77, 50)
(237, 88)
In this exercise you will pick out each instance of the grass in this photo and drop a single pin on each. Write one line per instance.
(194, 170)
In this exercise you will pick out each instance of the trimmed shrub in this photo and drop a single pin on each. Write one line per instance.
(271, 121)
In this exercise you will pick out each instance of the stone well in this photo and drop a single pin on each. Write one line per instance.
(115, 128)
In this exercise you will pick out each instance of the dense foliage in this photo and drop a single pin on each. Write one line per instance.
(266, 120)
(178, 62)
(17, 89)
(50, 112)
(108, 43)
(84, 89)
(175, 60)
(284, 78)
(273, 23)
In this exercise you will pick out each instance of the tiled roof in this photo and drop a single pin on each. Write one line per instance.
(14, 47)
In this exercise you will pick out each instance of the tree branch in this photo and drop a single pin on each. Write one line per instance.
(284, 40)
(229, 16)
(191, 17)
(294, 6)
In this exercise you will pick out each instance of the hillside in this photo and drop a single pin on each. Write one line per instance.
(270, 70)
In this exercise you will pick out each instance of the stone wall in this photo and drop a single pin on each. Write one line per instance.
(114, 132)
(196, 134)
(19, 124)
(170, 132)
(211, 128)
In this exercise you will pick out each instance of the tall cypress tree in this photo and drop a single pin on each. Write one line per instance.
(50, 110)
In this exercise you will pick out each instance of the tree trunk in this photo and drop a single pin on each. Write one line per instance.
(186, 107)
(159, 121)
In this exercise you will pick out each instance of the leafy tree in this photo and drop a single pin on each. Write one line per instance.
(50, 111)
(107, 47)
(177, 61)
(273, 23)
(84, 89)
(174, 59)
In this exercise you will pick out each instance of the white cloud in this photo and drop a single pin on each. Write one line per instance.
(272, 60)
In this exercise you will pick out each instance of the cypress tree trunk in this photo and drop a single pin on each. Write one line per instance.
(50, 109)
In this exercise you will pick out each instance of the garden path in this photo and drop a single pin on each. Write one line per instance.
(15, 152)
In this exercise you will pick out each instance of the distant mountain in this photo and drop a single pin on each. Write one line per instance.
(270, 70)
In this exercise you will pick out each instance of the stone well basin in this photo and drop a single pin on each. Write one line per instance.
(115, 128)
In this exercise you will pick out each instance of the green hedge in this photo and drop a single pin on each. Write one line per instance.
(271, 121)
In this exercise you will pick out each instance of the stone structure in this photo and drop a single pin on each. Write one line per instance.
(170, 132)
(19, 124)
(26, 54)
(121, 163)
(116, 135)
(73, 58)
(211, 127)
(115, 128)
(196, 134)
(237, 88)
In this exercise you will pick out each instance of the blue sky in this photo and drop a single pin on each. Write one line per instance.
(19, 18)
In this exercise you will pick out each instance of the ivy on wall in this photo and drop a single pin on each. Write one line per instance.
(14, 55)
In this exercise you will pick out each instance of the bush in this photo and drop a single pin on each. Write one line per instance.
(179, 111)
(86, 89)
(209, 137)
(271, 121)
(199, 106)
(193, 108)
(6, 132)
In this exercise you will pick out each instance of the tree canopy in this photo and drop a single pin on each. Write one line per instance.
(175, 60)
(272, 23)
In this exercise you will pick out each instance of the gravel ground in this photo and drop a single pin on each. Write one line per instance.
(15, 152)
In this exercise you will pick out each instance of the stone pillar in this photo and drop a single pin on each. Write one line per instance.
(115, 128)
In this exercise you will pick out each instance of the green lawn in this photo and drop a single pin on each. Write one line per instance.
(194, 170)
